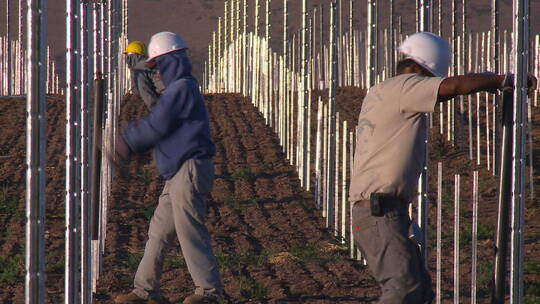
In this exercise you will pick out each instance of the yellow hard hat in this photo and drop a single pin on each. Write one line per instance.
(136, 47)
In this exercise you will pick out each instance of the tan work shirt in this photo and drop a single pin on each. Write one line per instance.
(391, 132)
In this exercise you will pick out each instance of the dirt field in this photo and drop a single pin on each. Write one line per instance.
(12, 199)
(147, 17)
(269, 239)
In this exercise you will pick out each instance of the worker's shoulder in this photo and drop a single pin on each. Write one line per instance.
(401, 78)
(402, 81)
(184, 82)
(387, 84)
(389, 89)
(181, 86)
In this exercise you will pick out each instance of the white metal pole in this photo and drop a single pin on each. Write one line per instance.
(72, 199)
(219, 59)
(339, 20)
(267, 67)
(456, 237)
(108, 38)
(336, 180)
(325, 162)
(48, 70)
(393, 58)
(245, 70)
(488, 146)
(344, 183)
(352, 67)
(536, 65)
(478, 152)
(305, 96)
(318, 154)
(372, 35)
(439, 232)
(469, 100)
(86, 275)
(474, 237)
(3, 68)
(521, 66)
(464, 41)
(36, 143)
(496, 52)
(97, 71)
(226, 41)
(20, 70)
(332, 113)
(455, 61)
(351, 159)
(286, 75)
(7, 60)
(322, 78)
(237, 43)
(256, 59)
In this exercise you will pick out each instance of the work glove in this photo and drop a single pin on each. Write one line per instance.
(508, 83)
(121, 147)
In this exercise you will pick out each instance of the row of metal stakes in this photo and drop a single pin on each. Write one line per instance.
(96, 80)
(13, 76)
(280, 85)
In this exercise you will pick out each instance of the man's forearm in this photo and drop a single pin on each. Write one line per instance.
(468, 84)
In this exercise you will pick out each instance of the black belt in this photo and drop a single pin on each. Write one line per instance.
(387, 198)
(381, 203)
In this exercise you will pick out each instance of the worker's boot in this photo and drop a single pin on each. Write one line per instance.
(131, 297)
(198, 299)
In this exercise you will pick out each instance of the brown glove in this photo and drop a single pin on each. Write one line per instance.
(508, 83)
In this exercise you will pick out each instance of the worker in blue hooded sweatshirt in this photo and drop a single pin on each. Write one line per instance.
(178, 131)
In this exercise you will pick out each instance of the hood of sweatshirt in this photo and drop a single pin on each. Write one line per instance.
(173, 66)
(133, 59)
(142, 66)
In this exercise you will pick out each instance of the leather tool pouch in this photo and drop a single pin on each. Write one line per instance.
(376, 204)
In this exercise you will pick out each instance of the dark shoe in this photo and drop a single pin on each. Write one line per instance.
(198, 299)
(131, 297)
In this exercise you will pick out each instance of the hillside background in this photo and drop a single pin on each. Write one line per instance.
(195, 20)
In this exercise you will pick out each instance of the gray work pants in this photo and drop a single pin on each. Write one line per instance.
(181, 211)
(394, 260)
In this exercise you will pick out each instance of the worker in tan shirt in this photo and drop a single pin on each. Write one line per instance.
(389, 157)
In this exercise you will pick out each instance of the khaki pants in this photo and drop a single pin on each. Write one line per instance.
(182, 212)
(394, 260)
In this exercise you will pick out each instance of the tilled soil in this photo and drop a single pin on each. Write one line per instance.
(12, 199)
(270, 241)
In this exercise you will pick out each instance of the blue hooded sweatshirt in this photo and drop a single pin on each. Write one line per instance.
(177, 128)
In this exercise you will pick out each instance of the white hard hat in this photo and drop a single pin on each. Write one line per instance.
(429, 50)
(163, 43)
